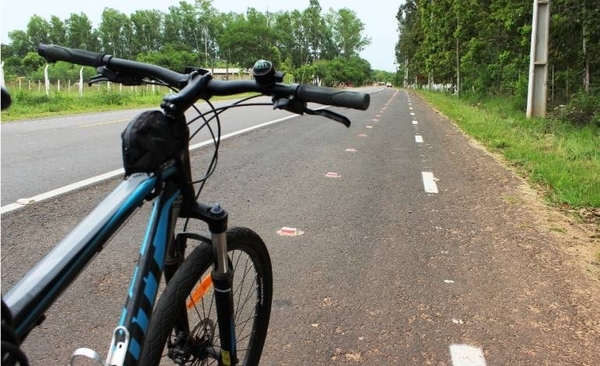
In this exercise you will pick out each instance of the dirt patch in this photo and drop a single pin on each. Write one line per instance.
(578, 231)
(579, 239)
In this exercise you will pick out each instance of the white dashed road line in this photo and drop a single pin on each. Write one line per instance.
(429, 182)
(465, 355)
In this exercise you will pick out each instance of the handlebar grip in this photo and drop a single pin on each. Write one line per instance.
(54, 53)
(332, 96)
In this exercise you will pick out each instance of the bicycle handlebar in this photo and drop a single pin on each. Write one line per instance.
(303, 93)
(54, 53)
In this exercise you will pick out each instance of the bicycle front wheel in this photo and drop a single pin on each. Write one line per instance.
(191, 288)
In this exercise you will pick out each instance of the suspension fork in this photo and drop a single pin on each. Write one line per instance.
(222, 276)
(216, 218)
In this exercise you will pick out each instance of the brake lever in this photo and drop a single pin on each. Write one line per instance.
(294, 106)
(105, 74)
(331, 115)
(97, 79)
(290, 105)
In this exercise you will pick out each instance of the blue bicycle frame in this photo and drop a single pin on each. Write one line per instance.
(29, 299)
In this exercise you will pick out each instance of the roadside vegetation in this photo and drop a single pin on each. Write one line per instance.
(479, 53)
(30, 105)
(561, 158)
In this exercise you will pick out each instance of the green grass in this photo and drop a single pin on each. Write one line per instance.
(34, 104)
(563, 160)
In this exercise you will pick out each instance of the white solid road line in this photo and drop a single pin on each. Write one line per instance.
(55, 192)
(86, 182)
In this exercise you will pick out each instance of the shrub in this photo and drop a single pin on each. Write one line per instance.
(581, 110)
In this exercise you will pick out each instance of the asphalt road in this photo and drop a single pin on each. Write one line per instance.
(423, 250)
(46, 154)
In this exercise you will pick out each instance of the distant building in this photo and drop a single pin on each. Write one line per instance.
(232, 73)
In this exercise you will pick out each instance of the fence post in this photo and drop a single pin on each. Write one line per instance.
(81, 82)
(46, 80)
(2, 73)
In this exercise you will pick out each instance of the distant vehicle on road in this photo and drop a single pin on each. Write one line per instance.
(388, 84)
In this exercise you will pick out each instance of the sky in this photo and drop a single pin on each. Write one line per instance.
(379, 16)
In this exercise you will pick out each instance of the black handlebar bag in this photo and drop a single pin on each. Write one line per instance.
(147, 143)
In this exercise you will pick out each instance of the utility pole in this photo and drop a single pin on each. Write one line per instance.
(267, 13)
(538, 63)
(406, 72)
(205, 31)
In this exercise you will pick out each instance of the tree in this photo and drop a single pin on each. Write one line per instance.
(182, 27)
(195, 33)
(80, 33)
(347, 31)
(38, 31)
(58, 31)
(171, 56)
(116, 33)
(283, 25)
(32, 61)
(19, 46)
(147, 27)
(409, 53)
(248, 38)
(314, 29)
(574, 48)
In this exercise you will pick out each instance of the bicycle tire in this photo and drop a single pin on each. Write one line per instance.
(242, 242)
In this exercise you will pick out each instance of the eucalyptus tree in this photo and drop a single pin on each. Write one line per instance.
(80, 33)
(58, 31)
(172, 56)
(212, 24)
(19, 45)
(147, 27)
(302, 48)
(315, 30)
(181, 27)
(511, 28)
(283, 25)
(348, 32)
(574, 47)
(248, 38)
(408, 48)
(329, 48)
(437, 41)
(116, 33)
(38, 30)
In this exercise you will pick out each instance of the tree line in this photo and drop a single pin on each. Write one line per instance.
(310, 44)
(483, 46)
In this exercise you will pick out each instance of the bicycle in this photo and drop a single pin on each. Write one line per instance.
(209, 283)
